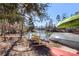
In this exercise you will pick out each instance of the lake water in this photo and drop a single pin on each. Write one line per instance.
(42, 33)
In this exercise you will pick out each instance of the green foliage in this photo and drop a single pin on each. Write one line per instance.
(58, 18)
(11, 10)
(8, 11)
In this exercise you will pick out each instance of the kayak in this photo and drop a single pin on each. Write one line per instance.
(68, 39)
(59, 52)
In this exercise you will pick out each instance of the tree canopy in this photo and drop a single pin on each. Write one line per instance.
(12, 10)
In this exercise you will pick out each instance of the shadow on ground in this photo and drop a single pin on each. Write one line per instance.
(42, 50)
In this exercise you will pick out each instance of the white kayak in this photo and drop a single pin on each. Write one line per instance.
(69, 39)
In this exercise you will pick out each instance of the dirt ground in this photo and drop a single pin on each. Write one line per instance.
(22, 48)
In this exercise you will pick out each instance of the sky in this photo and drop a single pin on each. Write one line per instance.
(59, 8)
